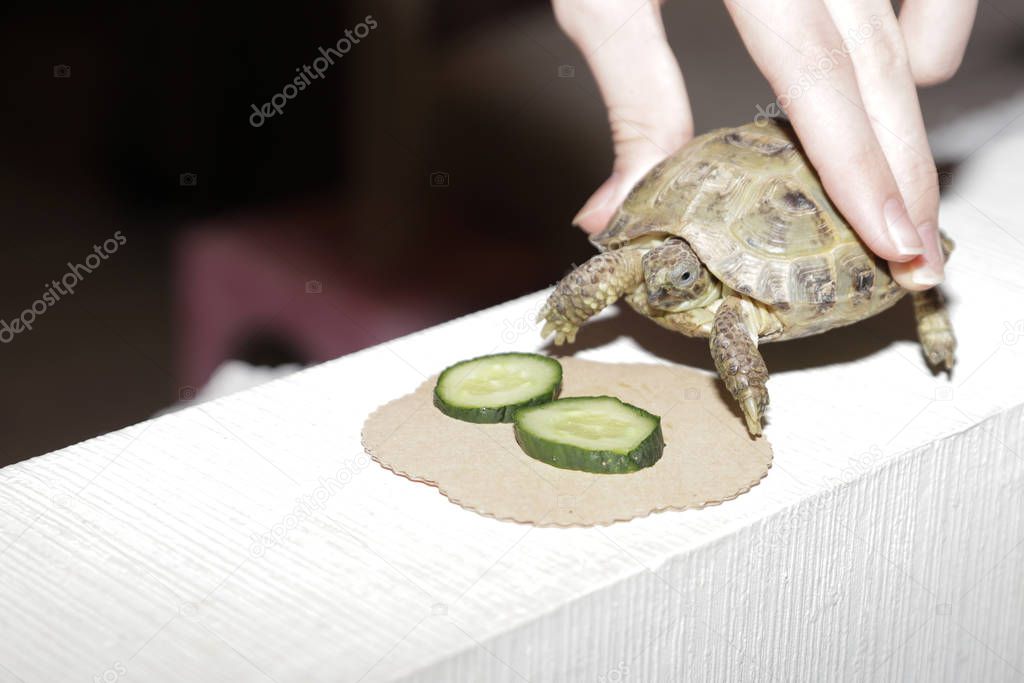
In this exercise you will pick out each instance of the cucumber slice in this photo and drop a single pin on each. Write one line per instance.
(591, 433)
(492, 388)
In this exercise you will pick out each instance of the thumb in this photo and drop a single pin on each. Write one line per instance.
(641, 85)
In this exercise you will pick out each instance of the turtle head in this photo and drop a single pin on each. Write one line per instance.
(676, 279)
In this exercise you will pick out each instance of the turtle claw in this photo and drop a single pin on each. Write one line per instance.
(752, 412)
(935, 330)
(587, 290)
(564, 331)
(942, 359)
(557, 323)
(565, 335)
(738, 361)
(940, 350)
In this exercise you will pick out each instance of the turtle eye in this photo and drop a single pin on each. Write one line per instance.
(686, 278)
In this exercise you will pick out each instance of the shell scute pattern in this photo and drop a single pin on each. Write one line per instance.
(752, 208)
(813, 281)
(685, 186)
(720, 197)
(786, 222)
(856, 273)
(764, 145)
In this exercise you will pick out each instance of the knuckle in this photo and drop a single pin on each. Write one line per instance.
(925, 176)
(932, 70)
(922, 190)
(821, 57)
(820, 61)
(640, 131)
(914, 170)
(628, 130)
(883, 51)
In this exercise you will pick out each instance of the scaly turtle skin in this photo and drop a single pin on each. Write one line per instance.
(734, 239)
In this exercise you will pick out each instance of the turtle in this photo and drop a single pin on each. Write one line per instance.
(733, 238)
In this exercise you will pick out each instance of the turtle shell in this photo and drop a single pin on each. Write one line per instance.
(752, 208)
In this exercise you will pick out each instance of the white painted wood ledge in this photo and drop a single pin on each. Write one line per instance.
(250, 539)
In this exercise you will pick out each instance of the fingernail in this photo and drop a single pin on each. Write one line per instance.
(930, 272)
(901, 230)
(926, 277)
(597, 200)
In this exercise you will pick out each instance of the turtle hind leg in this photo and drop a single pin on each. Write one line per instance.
(588, 290)
(934, 328)
(734, 334)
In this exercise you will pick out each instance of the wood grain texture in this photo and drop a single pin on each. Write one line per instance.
(250, 538)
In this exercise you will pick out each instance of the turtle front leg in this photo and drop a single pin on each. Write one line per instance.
(586, 291)
(734, 334)
(934, 328)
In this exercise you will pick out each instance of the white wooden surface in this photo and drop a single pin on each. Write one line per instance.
(250, 539)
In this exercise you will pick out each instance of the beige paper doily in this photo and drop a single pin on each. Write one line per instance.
(708, 458)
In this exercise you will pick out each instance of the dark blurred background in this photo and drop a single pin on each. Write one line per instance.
(432, 171)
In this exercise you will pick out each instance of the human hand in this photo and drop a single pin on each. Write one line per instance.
(845, 72)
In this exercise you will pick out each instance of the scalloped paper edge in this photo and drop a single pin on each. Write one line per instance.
(701, 467)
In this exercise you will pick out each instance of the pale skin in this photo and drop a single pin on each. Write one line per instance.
(859, 112)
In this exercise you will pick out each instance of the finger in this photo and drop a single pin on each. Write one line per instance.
(873, 39)
(641, 85)
(936, 34)
(919, 273)
(801, 55)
